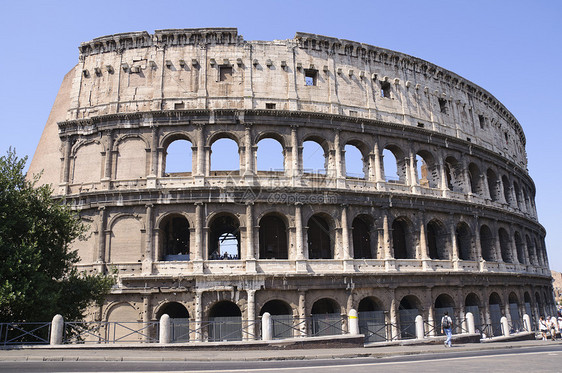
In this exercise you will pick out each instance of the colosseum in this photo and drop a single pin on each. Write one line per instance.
(440, 218)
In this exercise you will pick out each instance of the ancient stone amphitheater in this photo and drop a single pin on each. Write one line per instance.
(448, 225)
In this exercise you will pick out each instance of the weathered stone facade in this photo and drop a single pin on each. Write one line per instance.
(457, 231)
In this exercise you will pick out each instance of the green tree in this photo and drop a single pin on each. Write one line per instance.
(37, 276)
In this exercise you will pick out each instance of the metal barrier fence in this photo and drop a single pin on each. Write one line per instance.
(25, 333)
(110, 332)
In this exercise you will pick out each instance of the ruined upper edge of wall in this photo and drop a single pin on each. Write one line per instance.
(170, 37)
(330, 45)
(368, 52)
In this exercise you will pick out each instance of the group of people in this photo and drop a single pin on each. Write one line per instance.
(550, 325)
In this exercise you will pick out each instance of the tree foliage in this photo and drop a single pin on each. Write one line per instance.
(37, 276)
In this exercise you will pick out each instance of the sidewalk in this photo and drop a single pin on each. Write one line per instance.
(173, 353)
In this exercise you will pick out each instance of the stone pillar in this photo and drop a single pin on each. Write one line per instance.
(248, 153)
(101, 230)
(57, 330)
(251, 313)
(164, 331)
(347, 243)
(412, 170)
(454, 245)
(66, 161)
(266, 327)
(198, 316)
(443, 172)
(197, 251)
(378, 161)
(148, 252)
(200, 171)
(296, 162)
(353, 322)
(299, 232)
(423, 254)
(394, 332)
(154, 152)
(477, 246)
(108, 156)
(250, 251)
(419, 327)
(339, 171)
(302, 314)
(470, 323)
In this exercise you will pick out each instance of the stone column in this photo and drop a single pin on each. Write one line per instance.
(296, 168)
(248, 153)
(148, 252)
(389, 261)
(394, 331)
(250, 252)
(200, 171)
(454, 246)
(198, 315)
(477, 246)
(154, 152)
(66, 161)
(108, 156)
(101, 234)
(197, 251)
(146, 315)
(251, 330)
(496, 236)
(443, 172)
(302, 321)
(378, 161)
(347, 243)
(339, 171)
(299, 231)
(412, 171)
(423, 254)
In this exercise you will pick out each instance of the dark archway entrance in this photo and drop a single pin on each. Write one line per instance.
(326, 318)
(372, 320)
(179, 320)
(225, 322)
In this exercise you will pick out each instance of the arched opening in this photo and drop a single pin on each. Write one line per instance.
(493, 185)
(487, 243)
(130, 159)
(427, 170)
(224, 237)
(178, 159)
(506, 192)
(363, 238)
(529, 310)
(519, 248)
(401, 240)
(464, 241)
(539, 304)
(179, 320)
(409, 309)
(472, 305)
(175, 238)
(437, 240)
(475, 179)
(517, 192)
(454, 174)
(270, 156)
(355, 165)
(495, 314)
(504, 246)
(531, 250)
(326, 318)
(319, 238)
(273, 238)
(315, 157)
(372, 323)
(281, 318)
(516, 325)
(538, 253)
(225, 157)
(225, 322)
(394, 164)
(444, 303)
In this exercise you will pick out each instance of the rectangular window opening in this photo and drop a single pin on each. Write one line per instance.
(385, 89)
(420, 125)
(310, 77)
(225, 73)
(443, 105)
(482, 121)
(269, 105)
(353, 113)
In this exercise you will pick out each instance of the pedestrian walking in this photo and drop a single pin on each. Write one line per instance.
(447, 328)
(543, 327)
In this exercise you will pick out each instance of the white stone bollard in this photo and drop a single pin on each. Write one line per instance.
(164, 336)
(353, 322)
(527, 322)
(419, 327)
(266, 327)
(470, 323)
(57, 328)
(505, 326)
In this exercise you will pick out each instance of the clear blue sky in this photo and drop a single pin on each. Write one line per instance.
(513, 49)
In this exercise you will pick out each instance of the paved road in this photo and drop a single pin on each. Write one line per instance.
(526, 357)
